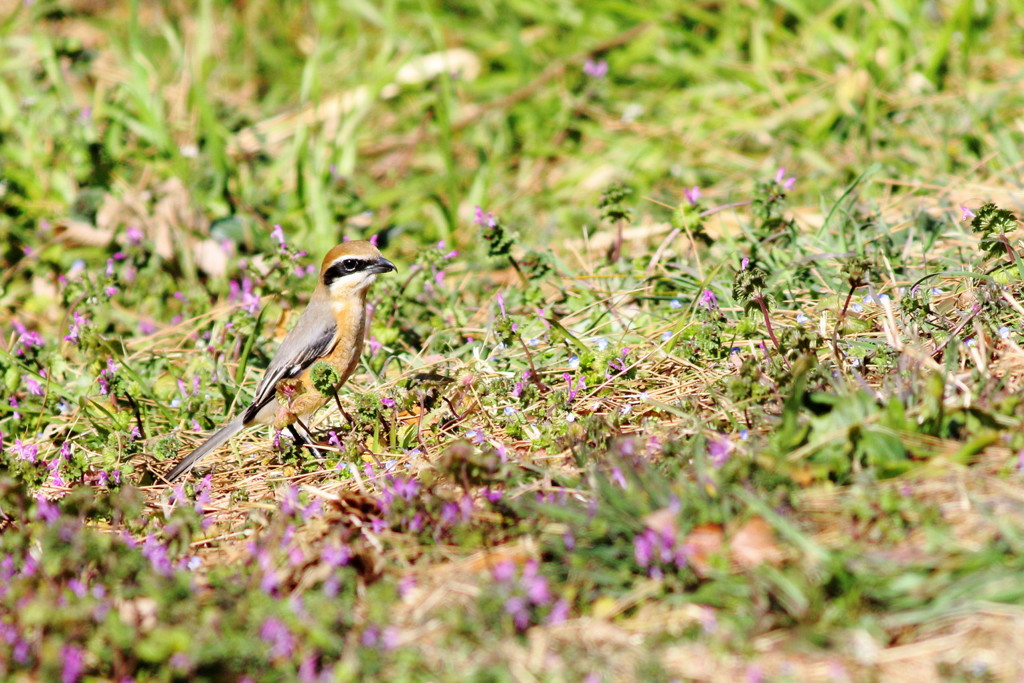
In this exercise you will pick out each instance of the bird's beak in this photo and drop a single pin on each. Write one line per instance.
(382, 266)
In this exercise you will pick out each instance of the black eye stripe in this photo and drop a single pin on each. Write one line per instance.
(343, 267)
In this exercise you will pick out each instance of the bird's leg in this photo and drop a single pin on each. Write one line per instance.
(303, 439)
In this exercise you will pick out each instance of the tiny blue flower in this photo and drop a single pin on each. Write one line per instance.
(734, 349)
(574, 362)
(856, 308)
(1004, 331)
(744, 434)
(600, 342)
(665, 336)
(533, 342)
(569, 417)
(936, 291)
(509, 410)
(675, 304)
(882, 298)
(869, 300)
(969, 342)
(626, 410)
(801, 318)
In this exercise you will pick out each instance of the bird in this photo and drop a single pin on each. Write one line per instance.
(330, 329)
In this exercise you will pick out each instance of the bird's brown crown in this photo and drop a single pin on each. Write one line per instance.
(360, 249)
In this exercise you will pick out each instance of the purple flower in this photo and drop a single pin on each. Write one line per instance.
(449, 513)
(45, 510)
(275, 633)
(156, 553)
(336, 556)
(405, 488)
(719, 449)
(290, 502)
(374, 345)
(708, 300)
(504, 571)
(387, 402)
(618, 477)
(73, 666)
(134, 235)
(78, 322)
(595, 68)
(516, 606)
(644, 547)
(278, 234)
(106, 375)
(484, 219)
(559, 612)
(54, 468)
(781, 179)
(25, 451)
(966, 214)
(26, 340)
(32, 386)
(692, 195)
(537, 589)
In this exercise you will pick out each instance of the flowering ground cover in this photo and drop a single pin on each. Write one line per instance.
(703, 360)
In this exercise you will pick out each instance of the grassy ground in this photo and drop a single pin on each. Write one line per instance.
(702, 362)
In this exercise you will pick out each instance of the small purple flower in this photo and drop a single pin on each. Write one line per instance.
(405, 488)
(278, 234)
(78, 322)
(54, 468)
(45, 510)
(966, 214)
(744, 263)
(336, 556)
(643, 548)
(32, 386)
(290, 501)
(156, 553)
(517, 607)
(781, 179)
(537, 589)
(387, 402)
(275, 633)
(618, 477)
(374, 345)
(25, 451)
(692, 195)
(504, 571)
(559, 612)
(73, 663)
(708, 300)
(719, 449)
(484, 219)
(595, 69)
(134, 235)
(26, 340)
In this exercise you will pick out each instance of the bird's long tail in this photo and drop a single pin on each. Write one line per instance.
(218, 439)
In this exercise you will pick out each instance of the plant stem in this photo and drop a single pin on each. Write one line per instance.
(771, 330)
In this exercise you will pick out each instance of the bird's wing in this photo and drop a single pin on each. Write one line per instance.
(312, 338)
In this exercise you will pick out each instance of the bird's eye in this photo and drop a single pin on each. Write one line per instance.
(350, 265)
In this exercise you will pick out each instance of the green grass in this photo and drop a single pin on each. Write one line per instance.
(561, 464)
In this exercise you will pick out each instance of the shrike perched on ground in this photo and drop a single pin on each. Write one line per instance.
(331, 329)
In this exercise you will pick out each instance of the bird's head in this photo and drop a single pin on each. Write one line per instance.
(351, 267)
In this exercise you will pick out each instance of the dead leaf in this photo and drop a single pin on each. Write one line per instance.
(704, 540)
(754, 544)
